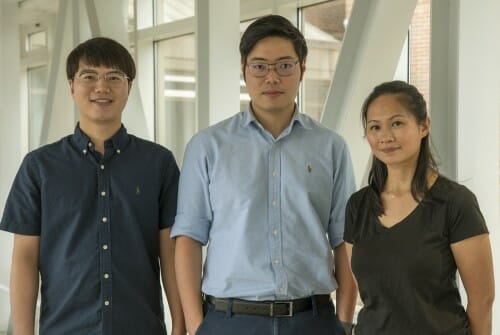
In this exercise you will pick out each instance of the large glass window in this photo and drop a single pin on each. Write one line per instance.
(173, 10)
(175, 93)
(420, 41)
(244, 97)
(323, 28)
(37, 94)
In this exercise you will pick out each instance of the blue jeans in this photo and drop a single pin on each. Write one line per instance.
(318, 321)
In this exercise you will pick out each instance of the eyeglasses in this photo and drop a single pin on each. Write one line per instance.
(90, 78)
(283, 68)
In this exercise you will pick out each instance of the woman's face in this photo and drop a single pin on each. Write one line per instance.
(393, 132)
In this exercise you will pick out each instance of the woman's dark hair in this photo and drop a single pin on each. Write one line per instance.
(101, 51)
(272, 25)
(414, 102)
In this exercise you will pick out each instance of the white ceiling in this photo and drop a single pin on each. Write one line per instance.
(32, 12)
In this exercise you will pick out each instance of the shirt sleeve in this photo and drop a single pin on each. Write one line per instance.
(168, 196)
(194, 211)
(343, 186)
(22, 212)
(464, 215)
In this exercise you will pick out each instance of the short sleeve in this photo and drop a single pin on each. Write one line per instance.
(349, 221)
(168, 196)
(22, 212)
(464, 216)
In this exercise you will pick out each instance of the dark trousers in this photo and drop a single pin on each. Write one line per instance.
(318, 321)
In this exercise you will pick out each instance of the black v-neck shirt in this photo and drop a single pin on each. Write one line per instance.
(406, 273)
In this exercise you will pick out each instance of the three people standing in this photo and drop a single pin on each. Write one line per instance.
(268, 191)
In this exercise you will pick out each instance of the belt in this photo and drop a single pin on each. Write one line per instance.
(268, 308)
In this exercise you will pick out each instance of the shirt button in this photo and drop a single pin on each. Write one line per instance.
(102, 167)
(276, 261)
(103, 193)
(84, 151)
(90, 144)
(281, 289)
(274, 173)
(274, 202)
(275, 232)
(118, 151)
(105, 247)
(106, 276)
(104, 219)
(106, 303)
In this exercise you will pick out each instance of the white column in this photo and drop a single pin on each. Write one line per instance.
(10, 135)
(478, 115)
(112, 18)
(370, 53)
(218, 60)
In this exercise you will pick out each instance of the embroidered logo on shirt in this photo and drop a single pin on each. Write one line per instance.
(309, 168)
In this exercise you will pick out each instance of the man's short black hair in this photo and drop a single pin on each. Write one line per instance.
(101, 51)
(272, 25)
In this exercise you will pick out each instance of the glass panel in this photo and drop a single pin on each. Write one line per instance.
(324, 28)
(37, 94)
(36, 40)
(173, 10)
(176, 90)
(244, 97)
(131, 16)
(420, 37)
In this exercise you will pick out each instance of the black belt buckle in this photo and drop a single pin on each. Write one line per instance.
(286, 303)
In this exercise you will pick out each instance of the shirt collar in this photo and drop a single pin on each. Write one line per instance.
(118, 141)
(248, 117)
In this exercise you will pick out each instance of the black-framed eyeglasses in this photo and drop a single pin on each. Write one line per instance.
(282, 68)
(113, 78)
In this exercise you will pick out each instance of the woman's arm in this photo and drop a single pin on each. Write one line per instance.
(475, 265)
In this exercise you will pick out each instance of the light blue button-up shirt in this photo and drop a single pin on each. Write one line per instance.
(270, 209)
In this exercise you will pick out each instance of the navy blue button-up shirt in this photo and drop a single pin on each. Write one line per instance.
(98, 218)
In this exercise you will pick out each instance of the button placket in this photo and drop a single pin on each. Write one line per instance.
(275, 238)
(105, 238)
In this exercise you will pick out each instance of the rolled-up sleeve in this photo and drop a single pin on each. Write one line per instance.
(194, 211)
(343, 186)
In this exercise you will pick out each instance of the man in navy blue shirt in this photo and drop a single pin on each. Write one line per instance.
(91, 215)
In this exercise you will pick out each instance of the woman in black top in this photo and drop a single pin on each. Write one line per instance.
(409, 230)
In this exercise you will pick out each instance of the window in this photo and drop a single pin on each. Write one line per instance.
(323, 28)
(175, 93)
(36, 40)
(244, 97)
(37, 94)
(420, 41)
(173, 10)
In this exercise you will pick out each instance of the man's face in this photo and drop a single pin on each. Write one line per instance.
(101, 101)
(272, 92)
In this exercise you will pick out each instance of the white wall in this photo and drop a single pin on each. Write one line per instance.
(478, 123)
(10, 139)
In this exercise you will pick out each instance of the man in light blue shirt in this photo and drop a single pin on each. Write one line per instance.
(266, 190)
